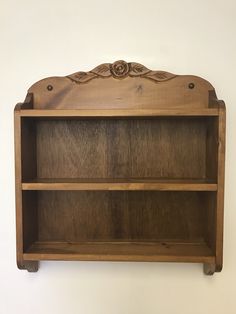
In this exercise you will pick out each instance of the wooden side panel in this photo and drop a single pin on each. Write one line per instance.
(18, 192)
(23, 222)
(220, 194)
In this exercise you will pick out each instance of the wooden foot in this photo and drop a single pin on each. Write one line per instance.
(209, 269)
(30, 266)
(219, 267)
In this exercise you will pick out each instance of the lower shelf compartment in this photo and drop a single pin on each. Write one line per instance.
(160, 251)
(110, 216)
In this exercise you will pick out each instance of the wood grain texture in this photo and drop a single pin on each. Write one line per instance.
(161, 148)
(119, 215)
(196, 252)
(29, 156)
(116, 113)
(30, 218)
(209, 202)
(119, 185)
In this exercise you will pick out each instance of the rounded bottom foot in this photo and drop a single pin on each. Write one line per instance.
(30, 266)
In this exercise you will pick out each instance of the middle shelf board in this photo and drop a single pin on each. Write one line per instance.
(120, 185)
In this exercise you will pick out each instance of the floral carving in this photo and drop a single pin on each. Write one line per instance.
(120, 70)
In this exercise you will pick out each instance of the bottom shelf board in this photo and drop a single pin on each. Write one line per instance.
(168, 251)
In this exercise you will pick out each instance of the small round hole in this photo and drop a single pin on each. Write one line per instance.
(191, 85)
(49, 87)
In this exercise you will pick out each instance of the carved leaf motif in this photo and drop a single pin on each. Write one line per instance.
(102, 70)
(138, 69)
(160, 76)
(82, 77)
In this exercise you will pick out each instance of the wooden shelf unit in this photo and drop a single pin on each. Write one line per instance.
(120, 166)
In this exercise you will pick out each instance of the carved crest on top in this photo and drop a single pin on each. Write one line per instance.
(120, 70)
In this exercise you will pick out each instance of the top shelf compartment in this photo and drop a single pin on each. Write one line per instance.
(164, 148)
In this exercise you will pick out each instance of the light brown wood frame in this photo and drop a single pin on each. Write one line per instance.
(120, 163)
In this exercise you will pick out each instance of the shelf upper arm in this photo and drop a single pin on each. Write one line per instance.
(17, 108)
(214, 102)
(27, 104)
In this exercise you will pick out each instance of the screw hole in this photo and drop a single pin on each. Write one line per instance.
(49, 87)
(191, 85)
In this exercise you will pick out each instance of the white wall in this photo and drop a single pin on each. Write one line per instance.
(45, 38)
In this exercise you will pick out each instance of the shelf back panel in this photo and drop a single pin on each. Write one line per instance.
(121, 216)
(118, 148)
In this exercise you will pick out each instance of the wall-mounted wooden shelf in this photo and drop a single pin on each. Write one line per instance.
(120, 163)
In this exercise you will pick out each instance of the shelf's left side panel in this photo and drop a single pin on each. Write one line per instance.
(26, 204)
